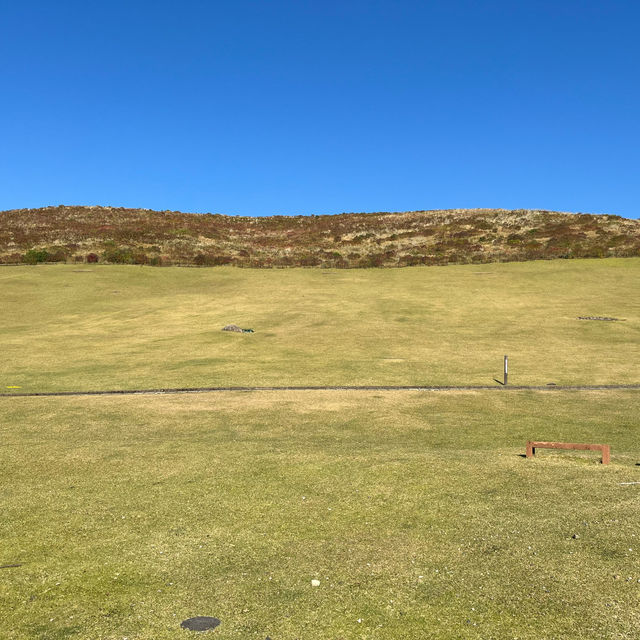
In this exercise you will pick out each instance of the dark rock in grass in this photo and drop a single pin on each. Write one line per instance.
(601, 318)
(200, 623)
(236, 329)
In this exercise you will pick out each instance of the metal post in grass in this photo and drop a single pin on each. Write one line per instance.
(506, 370)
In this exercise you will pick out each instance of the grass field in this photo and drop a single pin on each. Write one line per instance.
(416, 511)
(122, 327)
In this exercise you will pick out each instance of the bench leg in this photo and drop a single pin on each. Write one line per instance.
(606, 454)
(530, 450)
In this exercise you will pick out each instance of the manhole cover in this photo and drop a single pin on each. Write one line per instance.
(200, 623)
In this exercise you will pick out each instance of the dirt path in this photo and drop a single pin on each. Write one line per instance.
(496, 387)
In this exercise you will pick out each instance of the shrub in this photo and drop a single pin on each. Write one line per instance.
(409, 260)
(34, 256)
(12, 258)
(57, 254)
(140, 258)
(309, 260)
(372, 261)
(118, 255)
(211, 260)
(92, 258)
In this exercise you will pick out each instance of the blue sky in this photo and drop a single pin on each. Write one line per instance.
(297, 107)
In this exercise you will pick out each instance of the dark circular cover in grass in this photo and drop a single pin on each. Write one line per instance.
(200, 623)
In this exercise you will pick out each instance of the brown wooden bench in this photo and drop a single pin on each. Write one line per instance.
(532, 445)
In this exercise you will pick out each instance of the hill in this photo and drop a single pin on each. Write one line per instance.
(143, 236)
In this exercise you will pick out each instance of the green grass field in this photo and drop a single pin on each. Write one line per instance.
(416, 511)
(110, 327)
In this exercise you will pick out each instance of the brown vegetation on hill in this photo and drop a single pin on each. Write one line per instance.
(142, 236)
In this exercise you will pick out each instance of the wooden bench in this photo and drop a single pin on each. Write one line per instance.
(532, 445)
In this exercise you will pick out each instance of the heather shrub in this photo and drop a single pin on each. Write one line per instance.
(408, 260)
(34, 256)
(371, 261)
(140, 258)
(12, 258)
(309, 260)
(57, 254)
(591, 252)
(438, 237)
(118, 255)
(211, 260)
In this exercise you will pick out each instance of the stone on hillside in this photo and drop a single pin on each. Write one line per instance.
(200, 623)
(232, 327)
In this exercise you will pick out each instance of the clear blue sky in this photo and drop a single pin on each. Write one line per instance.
(258, 107)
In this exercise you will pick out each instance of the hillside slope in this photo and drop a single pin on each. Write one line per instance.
(142, 236)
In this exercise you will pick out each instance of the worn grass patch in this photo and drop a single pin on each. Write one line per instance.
(123, 327)
(415, 511)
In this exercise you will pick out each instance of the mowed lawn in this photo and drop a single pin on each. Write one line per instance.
(93, 327)
(415, 510)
